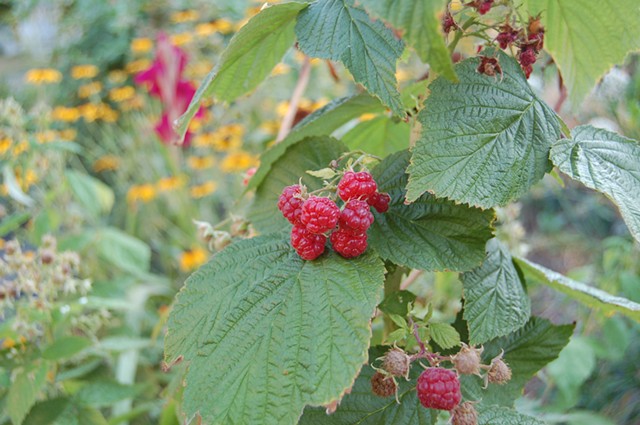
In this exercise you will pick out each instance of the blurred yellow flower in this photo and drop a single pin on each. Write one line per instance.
(166, 184)
(88, 90)
(106, 163)
(228, 138)
(135, 103)
(30, 178)
(223, 26)
(117, 76)
(40, 76)
(80, 72)
(21, 147)
(107, 113)
(65, 114)
(206, 29)
(199, 69)
(201, 162)
(137, 66)
(120, 94)
(455, 5)
(204, 140)
(47, 136)
(238, 161)
(193, 259)
(144, 193)
(196, 124)
(68, 134)
(5, 145)
(204, 189)
(185, 16)
(367, 117)
(270, 127)
(8, 343)
(281, 68)
(92, 112)
(181, 38)
(141, 45)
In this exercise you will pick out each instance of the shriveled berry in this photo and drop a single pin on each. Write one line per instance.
(290, 203)
(482, 6)
(356, 185)
(439, 388)
(348, 244)
(356, 216)
(379, 201)
(507, 36)
(467, 360)
(448, 23)
(383, 385)
(309, 246)
(527, 70)
(319, 215)
(527, 56)
(464, 414)
(489, 66)
(499, 372)
(396, 362)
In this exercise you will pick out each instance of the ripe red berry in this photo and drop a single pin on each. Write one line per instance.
(379, 201)
(356, 185)
(319, 215)
(309, 246)
(439, 388)
(356, 216)
(347, 244)
(290, 203)
(383, 385)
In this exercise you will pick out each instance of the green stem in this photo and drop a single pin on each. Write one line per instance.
(391, 285)
(460, 33)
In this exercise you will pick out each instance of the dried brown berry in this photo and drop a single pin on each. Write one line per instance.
(396, 362)
(499, 373)
(383, 385)
(467, 361)
(464, 414)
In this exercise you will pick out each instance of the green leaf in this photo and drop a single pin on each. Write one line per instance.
(526, 351)
(379, 136)
(312, 153)
(47, 412)
(607, 162)
(321, 122)
(444, 335)
(362, 407)
(123, 250)
(23, 392)
(96, 197)
(397, 302)
(249, 58)
(495, 300)
(337, 30)
(13, 222)
(430, 234)
(570, 370)
(13, 188)
(586, 38)
(588, 295)
(421, 25)
(64, 348)
(105, 393)
(266, 333)
(497, 415)
(485, 140)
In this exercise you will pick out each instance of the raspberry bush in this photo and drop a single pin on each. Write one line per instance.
(307, 318)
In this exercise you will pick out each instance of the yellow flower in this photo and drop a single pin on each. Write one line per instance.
(117, 76)
(135, 103)
(106, 163)
(88, 90)
(201, 162)
(193, 259)
(206, 29)
(68, 134)
(141, 45)
(223, 26)
(202, 190)
(238, 161)
(80, 72)
(144, 192)
(167, 184)
(281, 68)
(181, 38)
(47, 136)
(8, 343)
(185, 16)
(30, 178)
(137, 66)
(21, 147)
(120, 94)
(40, 76)
(199, 69)
(204, 140)
(65, 114)
(228, 138)
(367, 117)
(270, 127)
(106, 113)
(456, 5)
(5, 145)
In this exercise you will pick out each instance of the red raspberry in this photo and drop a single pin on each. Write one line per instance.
(356, 216)
(356, 185)
(527, 56)
(347, 244)
(319, 215)
(527, 70)
(379, 201)
(290, 203)
(309, 246)
(507, 36)
(482, 6)
(439, 388)
(448, 23)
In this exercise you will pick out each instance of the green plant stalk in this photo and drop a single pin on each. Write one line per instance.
(392, 284)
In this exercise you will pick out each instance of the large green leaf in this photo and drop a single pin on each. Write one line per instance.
(249, 58)
(102, 393)
(337, 30)
(96, 197)
(23, 392)
(322, 122)
(379, 136)
(607, 162)
(421, 25)
(495, 299)
(362, 407)
(431, 233)
(123, 250)
(66, 347)
(526, 351)
(485, 140)
(497, 415)
(312, 153)
(588, 295)
(586, 38)
(266, 333)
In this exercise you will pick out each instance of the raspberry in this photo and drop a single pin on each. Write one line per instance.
(489, 66)
(499, 372)
(439, 388)
(383, 385)
(319, 215)
(309, 246)
(482, 6)
(527, 70)
(464, 414)
(347, 244)
(448, 23)
(527, 56)
(356, 216)
(379, 201)
(356, 185)
(290, 203)
(467, 361)
(396, 362)
(507, 36)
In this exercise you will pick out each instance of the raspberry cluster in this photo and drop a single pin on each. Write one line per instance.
(529, 42)
(313, 217)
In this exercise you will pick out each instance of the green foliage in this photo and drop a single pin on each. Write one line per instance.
(485, 140)
(489, 415)
(66, 347)
(444, 335)
(23, 392)
(266, 333)
(123, 250)
(96, 197)
(379, 136)
(338, 30)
